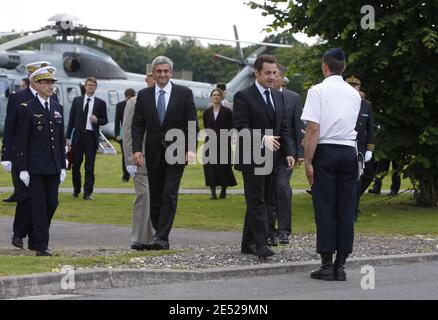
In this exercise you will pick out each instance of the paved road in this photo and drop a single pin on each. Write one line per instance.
(410, 281)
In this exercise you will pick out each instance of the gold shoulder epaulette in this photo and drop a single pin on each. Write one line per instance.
(370, 147)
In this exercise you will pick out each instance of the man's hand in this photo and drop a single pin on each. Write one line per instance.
(309, 173)
(290, 162)
(93, 119)
(62, 175)
(138, 159)
(131, 170)
(190, 157)
(24, 176)
(271, 142)
(7, 165)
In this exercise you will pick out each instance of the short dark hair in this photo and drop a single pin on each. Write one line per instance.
(261, 59)
(222, 86)
(336, 66)
(91, 79)
(129, 93)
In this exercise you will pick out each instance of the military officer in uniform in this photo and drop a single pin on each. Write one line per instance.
(331, 112)
(365, 139)
(22, 225)
(41, 159)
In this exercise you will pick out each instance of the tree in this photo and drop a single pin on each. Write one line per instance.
(399, 61)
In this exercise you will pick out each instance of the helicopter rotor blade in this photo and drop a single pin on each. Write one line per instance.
(106, 39)
(17, 33)
(238, 47)
(27, 39)
(219, 56)
(278, 45)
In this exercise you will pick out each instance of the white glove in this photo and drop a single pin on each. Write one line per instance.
(368, 155)
(63, 175)
(131, 170)
(24, 176)
(7, 165)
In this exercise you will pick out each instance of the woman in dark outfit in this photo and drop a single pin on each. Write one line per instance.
(218, 117)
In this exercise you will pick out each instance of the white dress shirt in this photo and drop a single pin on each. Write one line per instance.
(42, 101)
(90, 111)
(167, 89)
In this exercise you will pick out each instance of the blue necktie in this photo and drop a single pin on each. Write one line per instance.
(46, 107)
(161, 106)
(268, 101)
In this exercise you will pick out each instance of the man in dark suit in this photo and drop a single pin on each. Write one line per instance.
(118, 122)
(41, 154)
(282, 213)
(87, 114)
(165, 108)
(22, 225)
(260, 110)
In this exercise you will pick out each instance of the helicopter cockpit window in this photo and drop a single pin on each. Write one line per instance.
(113, 97)
(71, 94)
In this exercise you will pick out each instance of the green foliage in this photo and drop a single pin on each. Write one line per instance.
(398, 60)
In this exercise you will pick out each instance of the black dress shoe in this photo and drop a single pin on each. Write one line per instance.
(283, 238)
(140, 246)
(160, 244)
(272, 240)
(325, 272)
(11, 199)
(17, 241)
(75, 195)
(374, 190)
(88, 197)
(309, 191)
(264, 252)
(393, 193)
(250, 249)
(223, 194)
(45, 253)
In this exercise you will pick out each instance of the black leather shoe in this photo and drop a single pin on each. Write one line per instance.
(17, 242)
(75, 195)
(250, 249)
(272, 240)
(140, 247)
(264, 252)
(160, 244)
(393, 193)
(88, 197)
(45, 253)
(283, 238)
(223, 194)
(11, 199)
(325, 272)
(309, 191)
(374, 190)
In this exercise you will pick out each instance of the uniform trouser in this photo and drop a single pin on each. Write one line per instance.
(15, 180)
(260, 199)
(142, 230)
(22, 225)
(381, 171)
(44, 195)
(365, 180)
(85, 146)
(334, 197)
(164, 184)
(282, 210)
(125, 172)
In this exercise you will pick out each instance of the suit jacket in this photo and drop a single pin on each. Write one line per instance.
(251, 112)
(224, 120)
(180, 110)
(10, 132)
(127, 136)
(118, 122)
(41, 143)
(294, 109)
(76, 121)
(365, 127)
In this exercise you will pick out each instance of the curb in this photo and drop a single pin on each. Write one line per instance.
(50, 283)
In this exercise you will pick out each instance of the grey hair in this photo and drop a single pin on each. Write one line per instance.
(162, 60)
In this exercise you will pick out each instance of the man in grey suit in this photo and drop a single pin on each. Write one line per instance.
(282, 212)
(142, 230)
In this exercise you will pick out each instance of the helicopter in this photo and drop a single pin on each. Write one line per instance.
(75, 62)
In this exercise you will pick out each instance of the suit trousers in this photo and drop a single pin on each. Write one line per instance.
(44, 195)
(334, 197)
(125, 175)
(164, 184)
(142, 230)
(22, 225)
(85, 146)
(282, 211)
(260, 199)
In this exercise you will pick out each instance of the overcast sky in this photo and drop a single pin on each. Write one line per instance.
(208, 18)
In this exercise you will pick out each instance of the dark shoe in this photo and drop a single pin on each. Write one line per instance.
(272, 240)
(140, 247)
(31, 247)
(283, 238)
(264, 252)
(125, 180)
(213, 193)
(160, 244)
(309, 191)
(393, 193)
(250, 249)
(11, 199)
(223, 194)
(75, 195)
(339, 266)
(45, 253)
(88, 197)
(374, 190)
(17, 241)
(326, 271)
